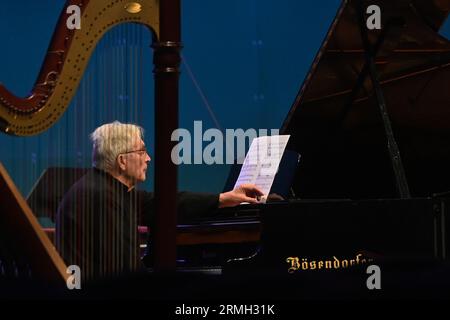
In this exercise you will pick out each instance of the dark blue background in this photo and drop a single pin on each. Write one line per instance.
(244, 60)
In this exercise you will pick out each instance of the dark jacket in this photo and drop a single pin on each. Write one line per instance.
(96, 225)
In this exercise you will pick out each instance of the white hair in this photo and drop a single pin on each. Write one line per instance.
(112, 139)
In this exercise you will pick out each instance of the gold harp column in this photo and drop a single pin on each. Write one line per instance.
(166, 72)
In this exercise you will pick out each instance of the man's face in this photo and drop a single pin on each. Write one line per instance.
(136, 161)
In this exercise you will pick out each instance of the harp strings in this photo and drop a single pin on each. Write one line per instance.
(111, 89)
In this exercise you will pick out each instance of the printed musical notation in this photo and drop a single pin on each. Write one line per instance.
(262, 161)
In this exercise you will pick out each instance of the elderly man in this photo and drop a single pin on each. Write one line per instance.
(97, 220)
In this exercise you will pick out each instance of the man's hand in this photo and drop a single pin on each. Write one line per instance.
(244, 193)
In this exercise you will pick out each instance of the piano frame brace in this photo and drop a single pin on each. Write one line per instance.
(394, 153)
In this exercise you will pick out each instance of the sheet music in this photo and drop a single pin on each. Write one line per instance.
(262, 161)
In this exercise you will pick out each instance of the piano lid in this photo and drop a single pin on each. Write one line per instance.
(338, 129)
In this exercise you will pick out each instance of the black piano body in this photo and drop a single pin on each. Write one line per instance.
(378, 230)
(371, 123)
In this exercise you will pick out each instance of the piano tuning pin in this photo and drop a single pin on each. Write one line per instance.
(133, 7)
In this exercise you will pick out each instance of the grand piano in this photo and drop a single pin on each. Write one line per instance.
(370, 122)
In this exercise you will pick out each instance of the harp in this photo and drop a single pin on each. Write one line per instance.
(25, 250)
(66, 60)
(64, 64)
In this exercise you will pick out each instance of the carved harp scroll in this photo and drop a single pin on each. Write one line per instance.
(65, 62)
